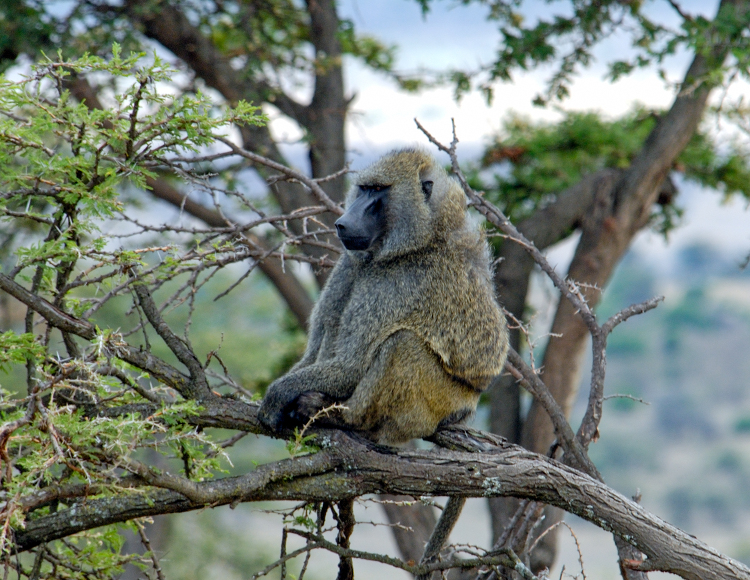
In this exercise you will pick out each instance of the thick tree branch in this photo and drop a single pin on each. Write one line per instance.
(198, 386)
(170, 27)
(328, 108)
(609, 229)
(607, 233)
(349, 466)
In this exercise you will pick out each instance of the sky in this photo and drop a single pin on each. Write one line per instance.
(451, 35)
(457, 36)
(382, 117)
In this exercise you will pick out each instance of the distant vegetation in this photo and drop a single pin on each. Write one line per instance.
(691, 364)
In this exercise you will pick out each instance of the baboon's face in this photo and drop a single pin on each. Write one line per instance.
(364, 222)
(398, 205)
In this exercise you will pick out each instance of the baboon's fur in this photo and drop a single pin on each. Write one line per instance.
(406, 334)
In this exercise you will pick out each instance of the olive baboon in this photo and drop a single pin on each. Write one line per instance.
(407, 333)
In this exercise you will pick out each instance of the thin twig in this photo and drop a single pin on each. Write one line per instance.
(147, 544)
(507, 558)
(290, 555)
(308, 182)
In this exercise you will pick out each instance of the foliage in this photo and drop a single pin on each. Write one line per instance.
(567, 34)
(535, 161)
(63, 169)
(273, 35)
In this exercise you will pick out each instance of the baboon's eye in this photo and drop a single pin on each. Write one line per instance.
(427, 189)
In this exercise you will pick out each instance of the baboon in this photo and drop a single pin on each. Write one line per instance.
(407, 333)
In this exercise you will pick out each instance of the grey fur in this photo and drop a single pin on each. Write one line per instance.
(406, 334)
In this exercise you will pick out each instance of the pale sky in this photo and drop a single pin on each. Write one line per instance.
(457, 36)
(452, 35)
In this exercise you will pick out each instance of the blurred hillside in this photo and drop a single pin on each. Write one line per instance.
(686, 448)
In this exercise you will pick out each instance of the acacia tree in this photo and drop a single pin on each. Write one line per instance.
(98, 397)
(241, 51)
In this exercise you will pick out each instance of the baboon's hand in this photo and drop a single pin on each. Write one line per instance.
(308, 404)
(277, 404)
(271, 413)
(276, 414)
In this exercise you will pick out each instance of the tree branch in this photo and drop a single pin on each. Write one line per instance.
(198, 387)
(575, 453)
(442, 531)
(349, 466)
(345, 522)
(606, 234)
(326, 114)
(546, 226)
(309, 183)
(422, 570)
(289, 287)
(172, 29)
(590, 423)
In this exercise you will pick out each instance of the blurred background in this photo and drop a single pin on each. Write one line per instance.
(680, 435)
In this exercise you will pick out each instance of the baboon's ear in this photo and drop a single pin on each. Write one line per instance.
(427, 189)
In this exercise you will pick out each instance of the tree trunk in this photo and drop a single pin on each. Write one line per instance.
(419, 518)
(617, 215)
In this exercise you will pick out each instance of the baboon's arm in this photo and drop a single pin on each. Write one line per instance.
(334, 379)
(324, 321)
